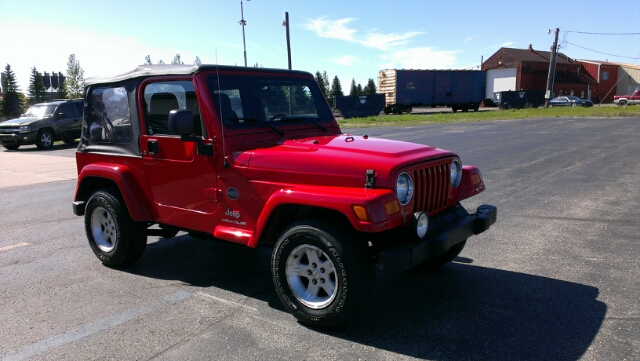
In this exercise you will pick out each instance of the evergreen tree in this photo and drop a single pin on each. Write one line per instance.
(74, 84)
(36, 87)
(197, 61)
(160, 62)
(176, 60)
(12, 105)
(370, 88)
(353, 90)
(336, 88)
(324, 86)
(62, 90)
(147, 60)
(360, 91)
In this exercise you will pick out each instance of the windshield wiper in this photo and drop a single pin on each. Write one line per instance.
(301, 118)
(256, 120)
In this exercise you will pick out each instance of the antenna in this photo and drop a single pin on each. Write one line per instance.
(225, 161)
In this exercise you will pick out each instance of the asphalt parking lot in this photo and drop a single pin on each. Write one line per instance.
(556, 278)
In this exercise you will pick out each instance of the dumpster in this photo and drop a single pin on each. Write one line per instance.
(353, 106)
(519, 99)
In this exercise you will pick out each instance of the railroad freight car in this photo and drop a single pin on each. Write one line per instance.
(405, 89)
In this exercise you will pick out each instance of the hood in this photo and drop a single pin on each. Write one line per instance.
(18, 121)
(335, 160)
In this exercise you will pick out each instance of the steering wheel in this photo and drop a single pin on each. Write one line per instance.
(279, 115)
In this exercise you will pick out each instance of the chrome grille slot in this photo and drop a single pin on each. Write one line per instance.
(432, 187)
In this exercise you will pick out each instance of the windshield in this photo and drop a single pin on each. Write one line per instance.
(269, 101)
(40, 111)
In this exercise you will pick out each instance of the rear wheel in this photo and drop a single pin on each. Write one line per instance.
(45, 139)
(114, 237)
(623, 102)
(320, 274)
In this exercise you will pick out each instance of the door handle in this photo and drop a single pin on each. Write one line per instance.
(152, 146)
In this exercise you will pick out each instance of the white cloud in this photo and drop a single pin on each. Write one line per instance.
(335, 29)
(338, 29)
(507, 44)
(345, 60)
(420, 58)
(386, 41)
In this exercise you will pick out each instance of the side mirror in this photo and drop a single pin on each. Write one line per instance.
(181, 122)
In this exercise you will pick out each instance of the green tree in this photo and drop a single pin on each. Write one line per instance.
(160, 62)
(324, 85)
(370, 88)
(355, 89)
(74, 83)
(36, 87)
(197, 61)
(12, 104)
(147, 60)
(336, 88)
(176, 60)
(62, 90)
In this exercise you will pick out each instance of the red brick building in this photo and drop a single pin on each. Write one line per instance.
(528, 69)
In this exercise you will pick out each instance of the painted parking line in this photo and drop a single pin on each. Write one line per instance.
(91, 328)
(6, 248)
(222, 300)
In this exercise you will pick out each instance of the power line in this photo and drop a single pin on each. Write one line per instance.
(600, 52)
(606, 34)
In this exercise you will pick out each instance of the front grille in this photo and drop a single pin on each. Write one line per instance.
(9, 130)
(432, 185)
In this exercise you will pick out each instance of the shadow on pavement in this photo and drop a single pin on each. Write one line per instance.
(460, 312)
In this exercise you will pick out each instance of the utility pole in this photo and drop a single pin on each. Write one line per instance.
(243, 23)
(286, 23)
(552, 69)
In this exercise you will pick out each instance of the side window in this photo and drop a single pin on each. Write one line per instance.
(78, 106)
(67, 109)
(163, 97)
(229, 105)
(109, 122)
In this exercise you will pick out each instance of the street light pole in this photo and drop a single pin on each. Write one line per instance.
(243, 23)
(286, 23)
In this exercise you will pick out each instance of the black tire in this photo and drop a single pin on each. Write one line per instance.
(311, 256)
(114, 237)
(623, 103)
(45, 139)
(11, 146)
(444, 258)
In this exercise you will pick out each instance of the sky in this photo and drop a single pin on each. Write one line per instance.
(353, 39)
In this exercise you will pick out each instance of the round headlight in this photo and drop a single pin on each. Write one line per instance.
(404, 188)
(456, 173)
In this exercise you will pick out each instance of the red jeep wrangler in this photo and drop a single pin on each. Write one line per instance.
(255, 156)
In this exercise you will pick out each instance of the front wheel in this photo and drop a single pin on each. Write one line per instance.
(321, 276)
(45, 139)
(114, 237)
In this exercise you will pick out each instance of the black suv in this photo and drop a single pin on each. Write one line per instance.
(43, 124)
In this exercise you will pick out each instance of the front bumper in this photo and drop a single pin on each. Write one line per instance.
(444, 232)
(18, 138)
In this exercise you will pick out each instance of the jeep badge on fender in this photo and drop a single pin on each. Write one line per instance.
(255, 156)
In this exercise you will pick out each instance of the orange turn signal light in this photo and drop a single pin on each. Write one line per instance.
(361, 212)
(475, 179)
(392, 207)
